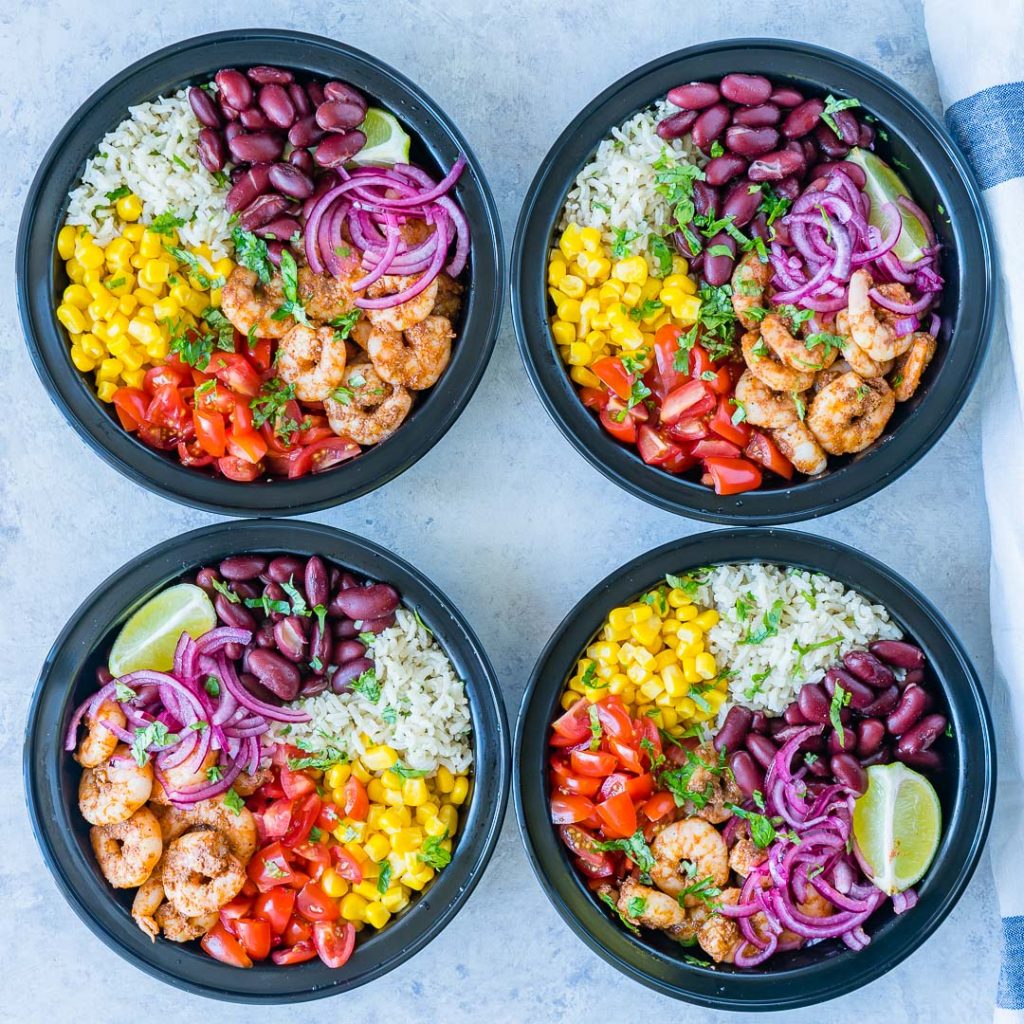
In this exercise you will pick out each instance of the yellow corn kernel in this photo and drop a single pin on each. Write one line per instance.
(563, 332)
(414, 792)
(618, 683)
(681, 281)
(337, 775)
(391, 780)
(591, 239)
(424, 812)
(647, 632)
(376, 914)
(360, 772)
(72, 318)
(76, 295)
(596, 693)
(632, 295)
(158, 350)
(689, 632)
(690, 673)
(133, 359)
(118, 346)
(134, 378)
(133, 232)
(150, 245)
(143, 331)
(716, 698)
(569, 311)
(584, 377)
(166, 309)
(103, 306)
(333, 884)
(632, 270)
(434, 826)
(572, 286)
(129, 207)
(678, 598)
(705, 665)
(109, 370)
(580, 354)
(118, 254)
(669, 627)
(557, 269)
(407, 840)
(652, 688)
(353, 906)
(223, 267)
(101, 330)
(81, 360)
(571, 243)
(105, 391)
(687, 613)
(377, 847)
(686, 708)
(628, 335)
(180, 292)
(66, 239)
(90, 256)
(669, 717)
(674, 681)
(92, 346)
(380, 757)
(75, 271)
(418, 879)
(643, 657)
(604, 650)
(154, 273)
(567, 699)
(376, 791)
(665, 658)
(637, 674)
(127, 304)
(650, 288)
(395, 899)
(707, 619)
(391, 820)
(449, 817)
(444, 780)
(687, 310)
(145, 297)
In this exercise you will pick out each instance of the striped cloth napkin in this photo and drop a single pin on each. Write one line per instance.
(978, 52)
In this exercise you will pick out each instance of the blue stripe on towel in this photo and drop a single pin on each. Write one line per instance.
(1011, 977)
(987, 127)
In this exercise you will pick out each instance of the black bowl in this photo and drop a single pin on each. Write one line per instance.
(41, 277)
(966, 787)
(52, 776)
(936, 174)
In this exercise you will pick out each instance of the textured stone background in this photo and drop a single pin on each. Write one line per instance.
(515, 564)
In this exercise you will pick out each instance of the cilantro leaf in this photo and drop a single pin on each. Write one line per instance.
(233, 802)
(433, 854)
(840, 698)
(833, 106)
(367, 686)
(252, 253)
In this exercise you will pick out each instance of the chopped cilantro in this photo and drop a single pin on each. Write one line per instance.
(433, 854)
(833, 106)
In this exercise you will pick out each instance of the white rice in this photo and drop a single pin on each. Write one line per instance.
(811, 609)
(616, 190)
(422, 710)
(154, 153)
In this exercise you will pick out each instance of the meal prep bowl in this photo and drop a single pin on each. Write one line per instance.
(51, 775)
(41, 277)
(815, 973)
(940, 180)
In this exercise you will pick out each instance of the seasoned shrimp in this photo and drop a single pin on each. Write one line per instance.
(312, 360)
(419, 360)
(147, 902)
(686, 852)
(180, 778)
(323, 295)
(127, 851)
(403, 316)
(857, 359)
(659, 910)
(749, 281)
(712, 785)
(99, 742)
(801, 447)
(850, 413)
(814, 904)
(718, 935)
(686, 931)
(449, 297)
(745, 855)
(871, 328)
(249, 305)
(238, 829)
(793, 352)
(200, 873)
(763, 364)
(764, 407)
(114, 791)
(910, 366)
(246, 784)
(373, 411)
(179, 928)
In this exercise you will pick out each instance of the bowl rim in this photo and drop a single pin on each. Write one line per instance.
(48, 346)
(794, 987)
(43, 751)
(677, 494)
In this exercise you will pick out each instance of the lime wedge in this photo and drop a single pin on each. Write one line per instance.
(386, 140)
(883, 186)
(897, 824)
(147, 640)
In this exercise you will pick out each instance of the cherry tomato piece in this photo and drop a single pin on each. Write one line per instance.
(733, 476)
(254, 935)
(275, 907)
(297, 954)
(357, 803)
(618, 815)
(219, 943)
(567, 809)
(762, 449)
(334, 941)
(315, 905)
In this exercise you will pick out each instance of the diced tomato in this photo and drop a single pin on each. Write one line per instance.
(167, 408)
(594, 398)
(304, 815)
(700, 361)
(573, 726)
(190, 452)
(610, 371)
(653, 448)
(329, 818)
(570, 783)
(680, 461)
(254, 935)
(593, 763)
(628, 756)
(762, 449)
(618, 422)
(689, 401)
(236, 372)
(210, 430)
(659, 805)
(277, 817)
(715, 447)
(722, 423)
(334, 941)
(640, 787)
(317, 856)
(239, 469)
(346, 865)
(295, 783)
(297, 954)
(614, 719)
(566, 809)
(615, 783)
(281, 463)
(131, 406)
(240, 906)
(322, 455)
(315, 905)
(161, 376)
(219, 943)
(666, 346)
(247, 445)
(618, 815)
(163, 439)
(689, 430)
(218, 398)
(733, 476)
(647, 730)
(297, 930)
(604, 869)
(261, 353)
(275, 907)
(723, 382)
(584, 846)
(269, 868)
(357, 803)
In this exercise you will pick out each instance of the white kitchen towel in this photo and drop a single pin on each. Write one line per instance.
(978, 51)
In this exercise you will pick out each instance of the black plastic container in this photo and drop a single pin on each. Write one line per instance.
(937, 175)
(814, 974)
(41, 277)
(52, 776)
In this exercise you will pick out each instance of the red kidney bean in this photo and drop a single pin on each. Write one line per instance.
(923, 760)
(315, 581)
(335, 578)
(705, 198)
(802, 119)
(898, 653)
(910, 708)
(814, 703)
(848, 772)
(829, 143)
(346, 650)
(341, 91)
(104, 675)
(848, 126)
(694, 95)
(285, 567)
(274, 592)
(718, 267)
(912, 675)
(922, 735)
(786, 97)
(305, 132)
(866, 136)
(264, 74)
(710, 125)
(759, 227)
(750, 142)
(374, 601)
(282, 228)
(734, 729)
(265, 634)
(242, 567)
(818, 767)
(861, 696)
(339, 115)
(290, 637)
(205, 579)
(866, 667)
(377, 625)
(741, 203)
(262, 210)
(748, 90)
(254, 120)
(881, 756)
(341, 681)
(344, 629)
(275, 672)
(788, 188)
(235, 615)
(256, 147)
(303, 160)
(759, 722)
(260, 692)
(291, 181)
(276, 102)
(339, 147)
(228, 113)
(234, 87)
(807, 150)
(777, 726)
(870, 736)
(313, 686)
(231, 130)
(793, 715)
(676, 125)
(300, 101)
(315, 92)
(321, 647)
(885, 703)
(748, 776)
(244, 589)
(720, 169)
(775, 166)
(203, 107)
(324, 183)
(762, 749)
(849, 741)
(212, 153)
(761, 116)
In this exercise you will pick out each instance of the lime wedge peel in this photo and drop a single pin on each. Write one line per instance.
(897, 825)
(148, 639)
(386, 140)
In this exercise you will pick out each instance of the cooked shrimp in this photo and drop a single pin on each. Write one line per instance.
(850, 413)
(419, 360)
(871, 328)
(249, 304)
(686, 931)
(200, 873)
(312, 360)
(324, 296)
(181, 778)
(814, 904)
(373, 411)
(714, 784)
(246, 784)
(238, 829)
(791, 351)
(801, 447)
(179, 928)
(403, 316)
(910, 366)
(749, 281)
(449, 297)
(764, 365)
(99, 742)
(745, 855)
(764, 407)
(658, 909)
(719, 935)
(147, 902)
(687, 852)
(857, 359)
(114, 791)
(127, 851)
